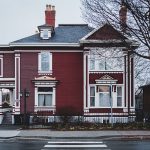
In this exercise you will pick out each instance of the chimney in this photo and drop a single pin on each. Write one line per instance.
(50, 15)
(123, 17)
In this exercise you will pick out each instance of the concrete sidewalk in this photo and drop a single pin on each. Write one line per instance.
(45, 133)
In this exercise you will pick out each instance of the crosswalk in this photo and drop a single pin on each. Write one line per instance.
(76, 145)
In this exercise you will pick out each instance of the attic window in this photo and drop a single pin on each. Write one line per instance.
(45, 34)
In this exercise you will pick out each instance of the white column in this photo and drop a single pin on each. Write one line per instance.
(36, 96)
(85, 79)
(17, 83)
(0, 98)
(54, 99)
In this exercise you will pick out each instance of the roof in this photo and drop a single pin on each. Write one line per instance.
(64, 33)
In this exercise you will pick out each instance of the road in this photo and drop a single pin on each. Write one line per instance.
(73, 144)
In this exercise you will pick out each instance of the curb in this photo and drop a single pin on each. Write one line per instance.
(118, 137)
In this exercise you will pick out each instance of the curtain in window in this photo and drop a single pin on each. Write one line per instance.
(40, 100)
(104, 100)
(48, 100)
(45, 100)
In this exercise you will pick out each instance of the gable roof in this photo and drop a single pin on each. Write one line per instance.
(67, 33)
(105, 32)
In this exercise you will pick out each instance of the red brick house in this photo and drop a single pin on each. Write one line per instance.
(62, 69)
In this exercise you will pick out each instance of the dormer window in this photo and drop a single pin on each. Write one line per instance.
(45, 34)
(45, 31)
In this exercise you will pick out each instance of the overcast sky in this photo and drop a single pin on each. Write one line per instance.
(19, 18)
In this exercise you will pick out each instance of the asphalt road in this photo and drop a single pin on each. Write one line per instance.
(76, 144)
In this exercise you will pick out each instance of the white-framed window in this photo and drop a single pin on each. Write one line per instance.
(119, 96)
(45, 62)
(104, 95)
(105, 64)
(45, 96)
(92, 96)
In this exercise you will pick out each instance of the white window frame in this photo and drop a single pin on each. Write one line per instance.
(40, 62)
(92, 96)
(113, 96)
(119, 96)
(53, 97)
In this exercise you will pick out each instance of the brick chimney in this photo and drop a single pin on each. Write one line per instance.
(50, 15)
(123, 17)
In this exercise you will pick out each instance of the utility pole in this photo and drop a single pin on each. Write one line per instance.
(110, 93)
(25, 94)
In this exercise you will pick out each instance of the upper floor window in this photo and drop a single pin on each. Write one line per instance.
(45, 62)
(106, 60)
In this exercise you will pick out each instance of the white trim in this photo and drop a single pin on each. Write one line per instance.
(95, 72)
(7, 79)
(64, 51)
(4, 45)
(2, 65)
(5, 52)
(17, 74)
(44, 44)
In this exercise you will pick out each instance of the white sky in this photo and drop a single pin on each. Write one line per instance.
(19, 18)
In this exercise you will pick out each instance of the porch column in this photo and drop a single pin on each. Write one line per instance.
(17, 84)
(0, 99)
(85, 80)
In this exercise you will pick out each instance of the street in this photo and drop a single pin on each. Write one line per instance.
(83, 144)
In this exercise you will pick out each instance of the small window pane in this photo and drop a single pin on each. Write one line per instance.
(103, 88)
(119, 101)
(92, 64)
(92, 101)
(119, 91)
(45, 89)
(92, 91)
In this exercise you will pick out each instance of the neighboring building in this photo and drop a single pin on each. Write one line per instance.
(146, 98)
(62, 69)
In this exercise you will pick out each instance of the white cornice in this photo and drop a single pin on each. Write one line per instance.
(4, 45)
(7, 79)
(44, 44)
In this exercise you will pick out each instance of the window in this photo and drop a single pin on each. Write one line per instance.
(92, 96)
(119, 96)
(45, 62)
(45, 96)
(104, 95)
(45, 34)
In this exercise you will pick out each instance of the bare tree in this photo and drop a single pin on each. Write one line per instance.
(134, 20)
(137, 24)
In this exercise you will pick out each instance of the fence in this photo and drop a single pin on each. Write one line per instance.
(45, 119)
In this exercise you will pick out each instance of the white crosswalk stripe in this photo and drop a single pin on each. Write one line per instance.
(75, 144)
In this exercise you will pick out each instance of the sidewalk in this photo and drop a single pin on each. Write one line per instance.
(46, 133)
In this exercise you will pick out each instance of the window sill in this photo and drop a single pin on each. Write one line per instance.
(45, 72)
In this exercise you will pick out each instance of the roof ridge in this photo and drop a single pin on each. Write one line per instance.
(72, 24)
